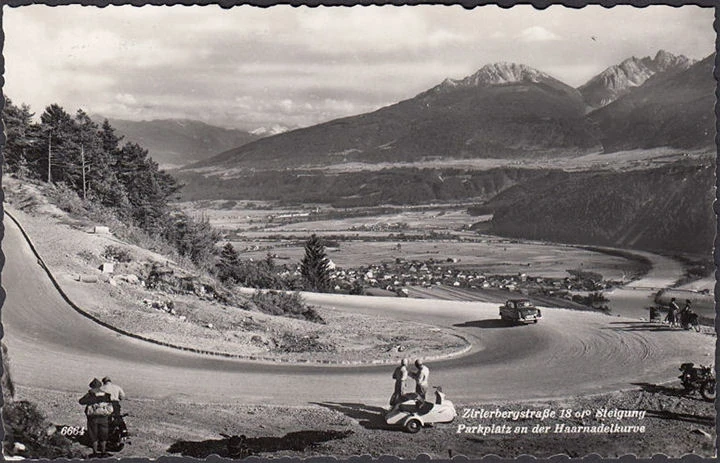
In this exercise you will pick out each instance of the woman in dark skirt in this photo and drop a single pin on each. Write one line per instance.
(98, 409)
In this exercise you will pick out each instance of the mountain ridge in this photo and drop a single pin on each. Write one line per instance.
(673, 109)
(173, 142)
(502, 110)
(620, 79)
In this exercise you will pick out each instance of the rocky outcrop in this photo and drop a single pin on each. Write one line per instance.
(620, 79)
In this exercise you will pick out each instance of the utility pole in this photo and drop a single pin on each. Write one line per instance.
(82, 157)
(49, 157)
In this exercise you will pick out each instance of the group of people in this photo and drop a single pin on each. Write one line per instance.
(102, 404)
(421, 376)
(676, 315)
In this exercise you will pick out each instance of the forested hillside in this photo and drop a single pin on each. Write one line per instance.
(668, 208)
(363, 188)
(91, 160)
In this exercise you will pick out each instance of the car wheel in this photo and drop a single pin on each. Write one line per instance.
(535, 321)
(413, 426)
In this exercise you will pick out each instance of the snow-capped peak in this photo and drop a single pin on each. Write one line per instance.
(268, 131)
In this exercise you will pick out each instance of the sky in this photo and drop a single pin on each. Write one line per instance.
(251, 67)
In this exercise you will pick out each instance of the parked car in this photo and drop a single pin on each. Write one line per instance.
(520, 311)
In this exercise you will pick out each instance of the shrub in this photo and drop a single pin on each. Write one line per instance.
(26, 424)
(86, 255)
(8, 386)
(594, 299)
(262, 274)
(296, 344)
(357, 288)
(194, 239)
(585, 275)
(285, 304)
(117, 254)
(66, 199)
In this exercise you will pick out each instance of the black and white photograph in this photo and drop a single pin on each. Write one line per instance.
(359, 230)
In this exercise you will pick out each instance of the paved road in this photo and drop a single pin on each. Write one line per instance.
(52, 346)
(633, 299)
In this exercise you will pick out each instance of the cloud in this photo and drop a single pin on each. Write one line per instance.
(126, 99)
(251, 66)
(537, 34)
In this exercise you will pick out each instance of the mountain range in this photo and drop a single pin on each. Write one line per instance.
(175, 142)
(504, 110)
(507, 110)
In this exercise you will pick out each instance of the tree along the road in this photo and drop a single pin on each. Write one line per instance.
(89, 160)
(227, 267)
(315, 266)
(20, 135)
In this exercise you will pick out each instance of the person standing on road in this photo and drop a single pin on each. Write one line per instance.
(683, 317)
(421, 377)
(672, 315)
(116, 394)
(97, 410)
(400, 375)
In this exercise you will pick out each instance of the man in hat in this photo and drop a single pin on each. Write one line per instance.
(116, 393)
(400, 375)
(421, 378)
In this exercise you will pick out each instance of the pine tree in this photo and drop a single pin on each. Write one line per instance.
(147, 188)
(315, 266)
(227, 268)
(21, 135)
(110, 141)
(94, 163)
(62, 150)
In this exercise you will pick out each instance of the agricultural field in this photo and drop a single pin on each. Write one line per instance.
(438, 233)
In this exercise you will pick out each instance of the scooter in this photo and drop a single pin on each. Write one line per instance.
(412, 412)
(698, 379)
